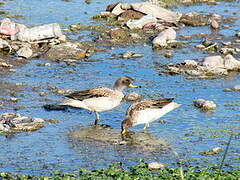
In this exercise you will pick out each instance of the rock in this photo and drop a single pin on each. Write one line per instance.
(126, 6)
(194, 19)
(25, 52)
(4, 64)
(117, 9)
(4, 44)
(42, 94)
(227, 50)
(62, 38)
(214, 24)
(155, 166)
(130, 14)
(10, 28)
(14, 122)
(236, 88)
(103, 15)
(190, 63)
(110, 7)
(163, 37)
(156, 11)
(135, 36)
(213, 62)
(213, 151)
(130, 54)
(67, 50)
(13, 99)
(118, 33)
(228, 62)
(132, 24)
(168, 54)
(204, 105)
(231, 63)
(132, 97)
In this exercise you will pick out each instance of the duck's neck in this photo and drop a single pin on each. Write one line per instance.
(118, 88)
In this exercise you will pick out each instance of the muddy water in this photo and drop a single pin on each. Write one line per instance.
(187, 130)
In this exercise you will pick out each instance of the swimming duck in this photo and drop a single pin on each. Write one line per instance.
(146, 111)
(99, 99)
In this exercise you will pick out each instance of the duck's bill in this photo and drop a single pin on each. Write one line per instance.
(124, 132)
(132, 86)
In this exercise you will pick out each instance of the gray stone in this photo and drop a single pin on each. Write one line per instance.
(25, 52)
(156, 11)
(163, 37)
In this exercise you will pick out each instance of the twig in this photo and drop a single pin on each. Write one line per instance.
(224, 155)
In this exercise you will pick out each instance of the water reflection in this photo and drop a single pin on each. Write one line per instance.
(100, 136)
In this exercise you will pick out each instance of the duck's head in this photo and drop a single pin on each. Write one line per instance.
(124, 82)
(125, 125)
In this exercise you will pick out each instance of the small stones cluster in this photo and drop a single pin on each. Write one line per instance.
(210, 67)
(14, 122)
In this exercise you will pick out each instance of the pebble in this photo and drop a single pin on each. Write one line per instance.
(155, 166)
(132, 96)
(13, 99)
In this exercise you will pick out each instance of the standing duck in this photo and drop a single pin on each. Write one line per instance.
(99, 99)
(146, 111)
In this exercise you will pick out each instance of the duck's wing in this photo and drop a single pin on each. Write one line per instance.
(148, 104)
(91, 93)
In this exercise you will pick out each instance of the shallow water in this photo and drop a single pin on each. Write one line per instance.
(188, 130)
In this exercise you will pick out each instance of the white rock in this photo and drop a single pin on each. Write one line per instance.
(231, 63)
(213, 62)
(125, 6)
(132, 24)
(117, 9)
(133, 96)
(236, 87)
(155, 166)
(156, 11)
(190, 63)
(25, 52)
(163, 37)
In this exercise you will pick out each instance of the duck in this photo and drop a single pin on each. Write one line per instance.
(99, 99)
(145, 111)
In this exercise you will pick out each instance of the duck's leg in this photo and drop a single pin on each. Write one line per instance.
(97, 118)
(146, 126)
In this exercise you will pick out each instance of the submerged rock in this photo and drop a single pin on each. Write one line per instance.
(14, 122)
(213, 151)
(130, 54)
(67, 50)
(204, 105)
(195, 19)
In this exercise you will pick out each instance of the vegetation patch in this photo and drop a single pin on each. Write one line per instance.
(141, 171)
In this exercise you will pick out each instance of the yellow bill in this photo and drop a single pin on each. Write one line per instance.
(124, 131)
(132, 86)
